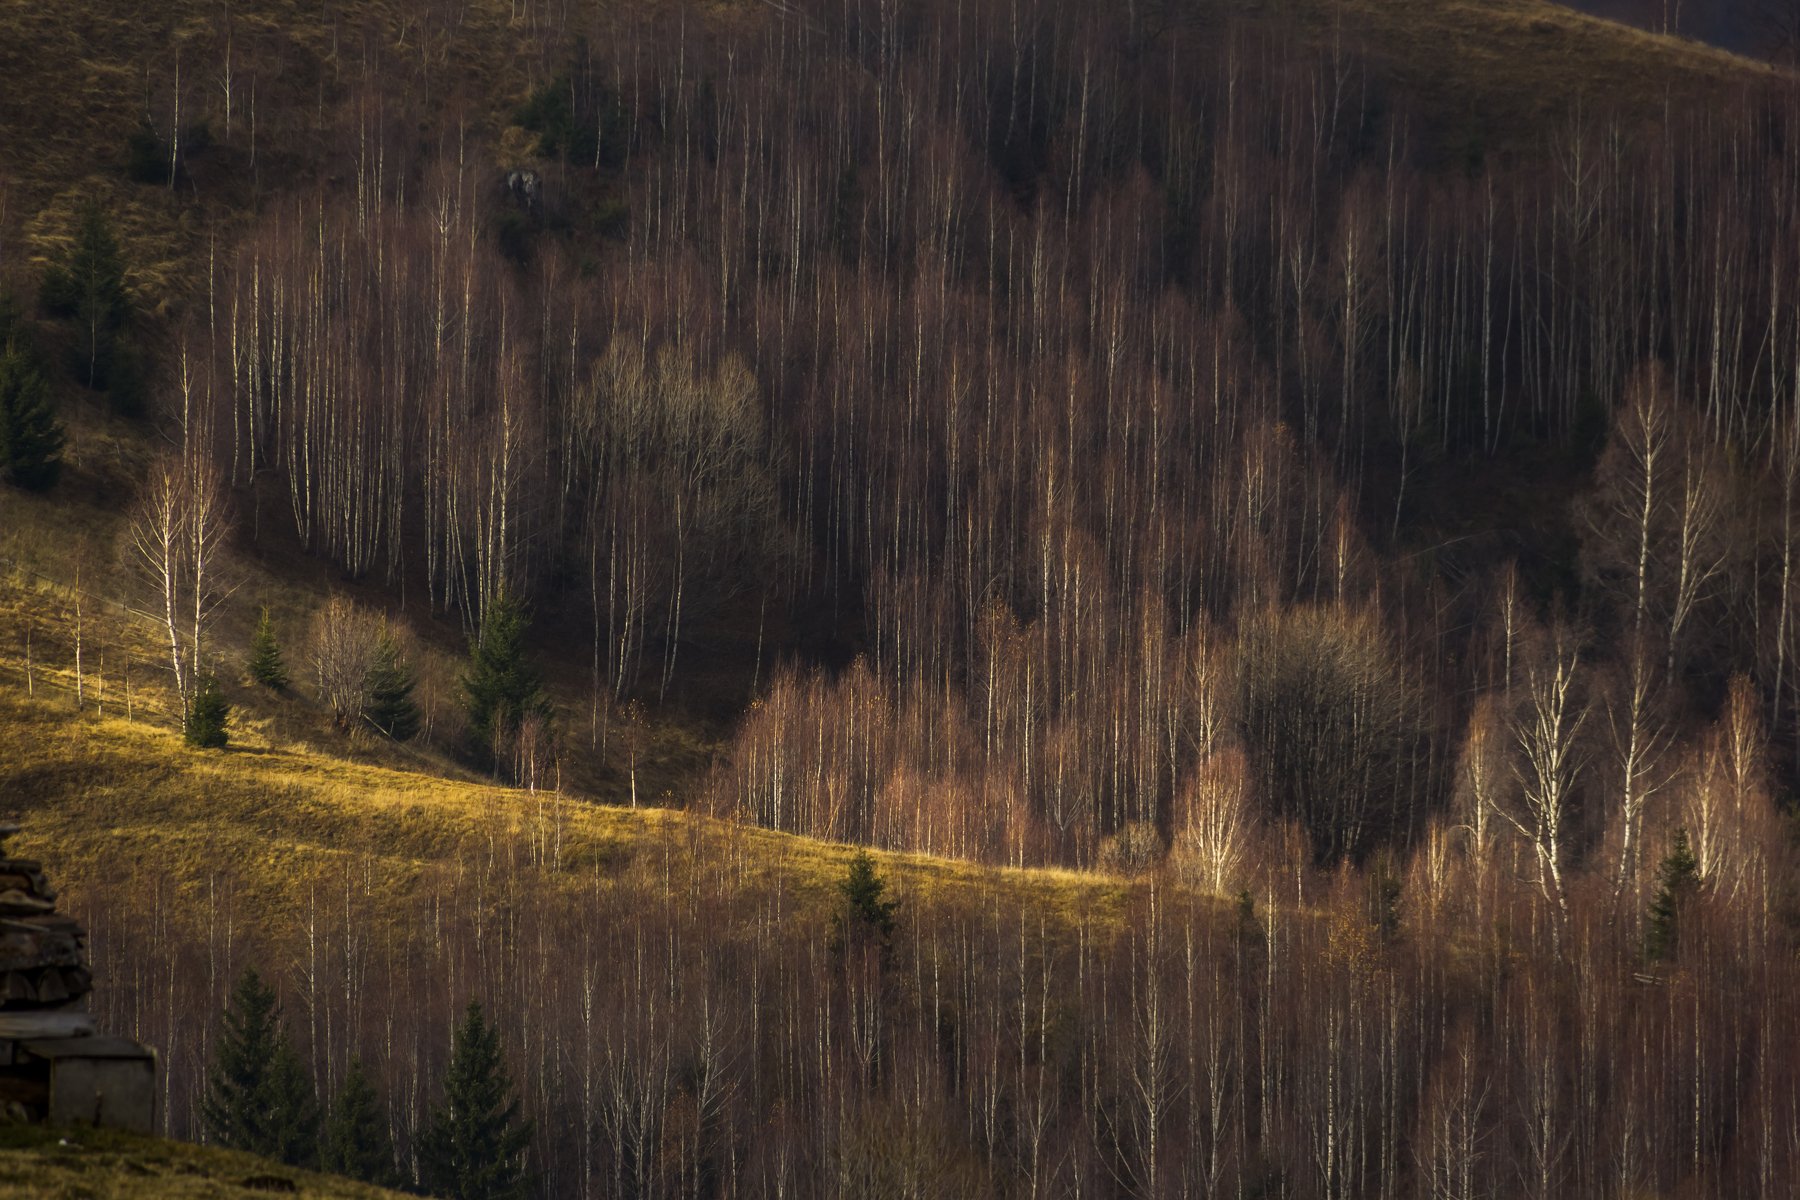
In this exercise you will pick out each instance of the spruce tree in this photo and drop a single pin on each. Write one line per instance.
(1677, 878)
(500, 687)
(88, 286)
(12, 318)
(357, 1141)
(258, 1096)
(862, 891)
(31, 439)
(473, 1145)
(235, 1108)
(266, 665)
(865, 915)
(389, 687)
(293, 1108)
(205, 723)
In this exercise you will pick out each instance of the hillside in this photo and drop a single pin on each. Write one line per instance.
(36, 1162)
(104, 799)
(917, 598)
(1493, 76)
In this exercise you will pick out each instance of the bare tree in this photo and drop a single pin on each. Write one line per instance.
(1638, 740)
(176, 535)
(1634, 488)
(1483, 777)
(343, 640)
(1549, 762)
(1215, 823)
(1699, 547)
(1726, 806)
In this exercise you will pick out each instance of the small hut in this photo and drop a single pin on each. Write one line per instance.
(52, 1066)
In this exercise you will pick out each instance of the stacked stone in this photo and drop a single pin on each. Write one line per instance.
(44, 977)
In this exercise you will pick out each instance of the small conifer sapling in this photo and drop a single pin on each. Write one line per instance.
(389, 686)
(501, 686)
(1678, 877)
(266, 665)
(206, 716)
(866, 916)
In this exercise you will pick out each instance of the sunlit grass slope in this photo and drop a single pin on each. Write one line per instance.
(37, 1162)
(106, 798)
(73, 544)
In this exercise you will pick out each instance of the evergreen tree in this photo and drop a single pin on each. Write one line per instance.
(31, 440)
(865, 911)
(235, 1108)
(258, 1096)
(88, 285)
(1384, 898)
(12, 319)
(266, 665)
(501, 688)
(473, 1145)
(1678, 878)
(205, 724)
(293, 1108)
(357, 1141)
(389, 686)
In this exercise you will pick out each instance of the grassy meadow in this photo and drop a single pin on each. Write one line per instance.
(36, 1162)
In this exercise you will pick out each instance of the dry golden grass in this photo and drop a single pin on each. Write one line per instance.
(38, 1162)
(103, 798)
(78, 534)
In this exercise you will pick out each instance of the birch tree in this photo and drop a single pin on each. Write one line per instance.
(175, 539)
(1547, 768)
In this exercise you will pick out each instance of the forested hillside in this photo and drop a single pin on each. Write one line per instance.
(1316, 484)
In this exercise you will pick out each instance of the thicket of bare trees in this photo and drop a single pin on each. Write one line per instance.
(1126, 433)
(688, 1027)
(1102, 384)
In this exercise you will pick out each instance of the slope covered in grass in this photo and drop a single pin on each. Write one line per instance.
(38, 1161)
(109, 798)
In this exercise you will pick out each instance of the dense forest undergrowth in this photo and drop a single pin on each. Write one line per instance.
(1317, 483)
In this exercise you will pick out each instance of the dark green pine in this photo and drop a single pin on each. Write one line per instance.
(357, 1140)
(862, 891)
(293, 1108)
(501, 687)
(88, 286)
(1678, 877)
(473, 1145)
(258, 1096)
(389, 684)
(31, 438)
(266, 665)
(206, 717)
(235, 1109)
